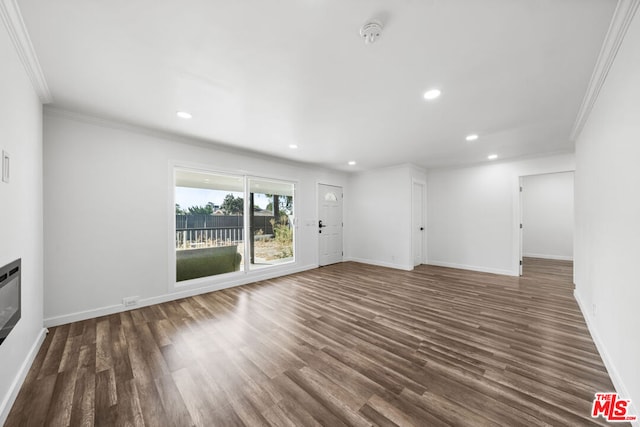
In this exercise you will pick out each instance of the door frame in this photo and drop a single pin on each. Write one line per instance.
(520, 224)
(519, 213)
(423, 244)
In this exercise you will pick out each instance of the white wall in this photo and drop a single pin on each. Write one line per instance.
(20, 215)
(378, 222)
(472, 213)
(607, 233)
(108, 214)
(547, 215)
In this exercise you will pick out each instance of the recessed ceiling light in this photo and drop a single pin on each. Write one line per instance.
(492, 156)
(471, 137)
(293, 146)
(432, 94)
(352, 162)
(184, 115)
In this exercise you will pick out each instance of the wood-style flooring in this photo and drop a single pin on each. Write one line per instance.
(348, 344)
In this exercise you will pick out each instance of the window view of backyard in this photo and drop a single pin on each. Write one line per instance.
(271, 223)
(210, 224)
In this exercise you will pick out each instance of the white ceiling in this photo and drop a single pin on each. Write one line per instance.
(261, 75)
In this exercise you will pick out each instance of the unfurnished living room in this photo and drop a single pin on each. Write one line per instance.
(304, 213)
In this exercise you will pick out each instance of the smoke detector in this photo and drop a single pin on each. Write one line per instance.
(371, 31)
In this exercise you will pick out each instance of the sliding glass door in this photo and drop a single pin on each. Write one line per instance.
(229, 224)
(271, 222)
(209, 224)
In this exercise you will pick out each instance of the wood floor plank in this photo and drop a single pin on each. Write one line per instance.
(328, 396)
(172, 402)
(196, 405)
(128, 411)
(106, 398)
(347, 344)
(55, 351)
(60, 409)
(37, 414)
(302, 399)
(277, 417)
(398, 416)
(83, 409)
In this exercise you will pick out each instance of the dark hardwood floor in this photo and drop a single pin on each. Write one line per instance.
(348, 344)
(548, 270)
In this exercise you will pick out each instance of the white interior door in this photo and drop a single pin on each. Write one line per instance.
(417, 223)
(330, 224)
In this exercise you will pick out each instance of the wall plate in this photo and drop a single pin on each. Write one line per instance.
(6, 175)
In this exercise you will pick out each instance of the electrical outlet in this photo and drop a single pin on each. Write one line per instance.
(130, 301)
(594, 309)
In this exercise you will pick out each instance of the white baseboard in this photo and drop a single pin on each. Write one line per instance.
(474, 268)
(381, 263)
(544, 256)
(177, 294)
(618, 383)
(10, 398)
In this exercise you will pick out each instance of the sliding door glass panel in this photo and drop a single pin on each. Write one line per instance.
(271, 229)
(209, 224)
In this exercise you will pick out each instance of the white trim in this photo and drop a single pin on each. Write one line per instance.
(246, 231)
(620, 21)
(380, 263)
(11, 395)
(545, 256)
(12, 18)
(615, 376)
(178, 294)
(474, 268)
(171, 229)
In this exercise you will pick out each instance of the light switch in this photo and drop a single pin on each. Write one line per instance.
(6, 172)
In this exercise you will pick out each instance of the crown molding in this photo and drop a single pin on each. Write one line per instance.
(12, 18)
(622, 17)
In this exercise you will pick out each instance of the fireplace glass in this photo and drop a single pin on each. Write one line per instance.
(9, 298)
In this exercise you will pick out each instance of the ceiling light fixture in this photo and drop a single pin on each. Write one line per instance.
(492, 156)
(432, 94)
(293, 146)
(352, 163)
(184, 115)
(472, 137)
